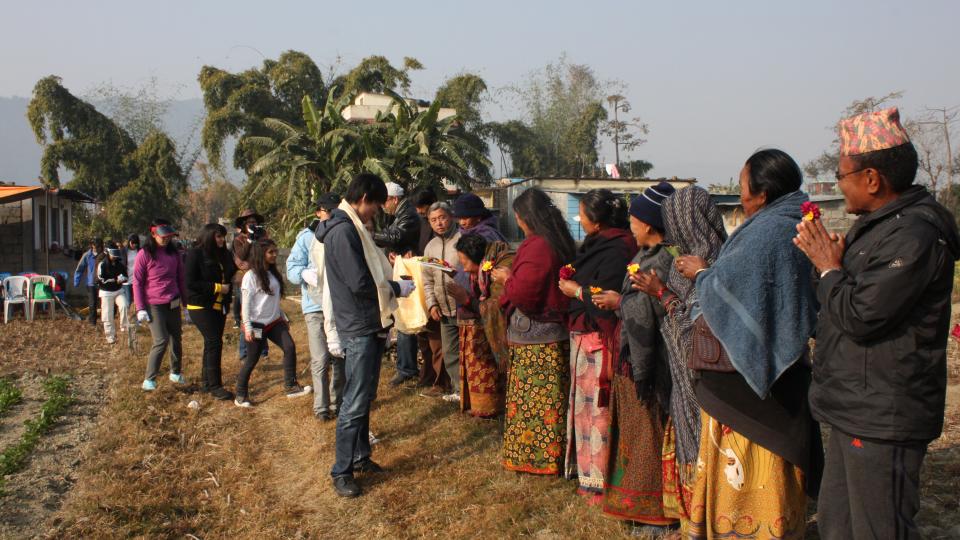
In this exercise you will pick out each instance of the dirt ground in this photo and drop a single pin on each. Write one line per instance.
(127, 464)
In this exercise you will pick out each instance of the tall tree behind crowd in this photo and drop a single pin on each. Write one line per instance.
(562, 107)
(133, 182)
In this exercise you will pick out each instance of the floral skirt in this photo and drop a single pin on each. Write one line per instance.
(743, 490)
(479, 376)
(588, 425)
(677, 477)
(634, 486)
(536, 408)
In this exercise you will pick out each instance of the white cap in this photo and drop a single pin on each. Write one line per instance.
(394, 189)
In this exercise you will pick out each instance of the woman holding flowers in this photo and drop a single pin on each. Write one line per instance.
(481, 388)
(600, 265)
(760, 449)
(539, 378)
(640, 398)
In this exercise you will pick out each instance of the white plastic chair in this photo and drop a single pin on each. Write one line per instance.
(15, 291)
(51, 282)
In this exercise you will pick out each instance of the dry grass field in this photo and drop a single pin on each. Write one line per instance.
(122, 463)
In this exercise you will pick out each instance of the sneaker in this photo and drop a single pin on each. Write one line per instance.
(432, 392)
(297, 390)
(368, 466)
(178, 378)
(452, 398)
(372, 438)
(346, 486)
(242, 401)
(236, 325)
(149, 385)
(323, 416)
(221, 393)
(111, 340)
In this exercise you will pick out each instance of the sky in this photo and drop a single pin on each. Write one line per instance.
(713, 80)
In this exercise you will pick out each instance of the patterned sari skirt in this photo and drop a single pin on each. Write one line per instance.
(480, 392)
(678, 478)
(536, 408)
(588, 425)
(743, 490)
(634, 487)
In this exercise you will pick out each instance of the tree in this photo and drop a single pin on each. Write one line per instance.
(137, 184)
(77, 136)
(465, 93)
(625, 134)
(562, 106)
(376, 74)
(827, 162)
(636, 168)
(211, 198)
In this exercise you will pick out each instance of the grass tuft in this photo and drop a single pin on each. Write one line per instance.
(10, 395)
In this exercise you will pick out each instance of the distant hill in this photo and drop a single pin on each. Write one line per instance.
(20, 154)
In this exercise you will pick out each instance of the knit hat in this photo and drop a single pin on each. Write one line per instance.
(647, 206)
(469, 205)
(327, 202)
(394, 190)
(871, 131)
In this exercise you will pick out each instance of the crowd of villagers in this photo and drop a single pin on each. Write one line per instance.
(667, 367)
(678, 375)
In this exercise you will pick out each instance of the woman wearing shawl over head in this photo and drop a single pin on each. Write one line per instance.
(760, 449)
(539, 378)
(694, 226)
(640, 397)
(481, 388)
(601, 264)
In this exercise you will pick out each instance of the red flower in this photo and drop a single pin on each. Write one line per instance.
(856, 443)
(955, 333)
(567, 272)
(810, 211)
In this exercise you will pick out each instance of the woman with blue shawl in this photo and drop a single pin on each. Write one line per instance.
(760, 449)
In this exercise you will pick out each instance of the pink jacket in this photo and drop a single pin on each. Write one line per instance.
(157, 280)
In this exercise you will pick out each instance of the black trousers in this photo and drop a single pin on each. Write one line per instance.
(870, 490)
(279, 334)
(210, 323)
(93, 299)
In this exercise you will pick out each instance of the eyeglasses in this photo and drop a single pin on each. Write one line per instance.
(844, 175)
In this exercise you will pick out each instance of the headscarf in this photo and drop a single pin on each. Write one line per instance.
(694, 225)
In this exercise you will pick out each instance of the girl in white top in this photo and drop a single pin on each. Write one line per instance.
(262, 319)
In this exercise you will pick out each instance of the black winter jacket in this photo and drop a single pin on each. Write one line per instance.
(880, 360)
(108, 272)
(203, 274)
(356, 308)
(403, 234)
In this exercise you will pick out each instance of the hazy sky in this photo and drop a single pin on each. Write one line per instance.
(714, 80)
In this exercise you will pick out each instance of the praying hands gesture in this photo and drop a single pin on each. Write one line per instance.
(824, 249)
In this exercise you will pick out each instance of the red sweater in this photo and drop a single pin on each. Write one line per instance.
(532, 285)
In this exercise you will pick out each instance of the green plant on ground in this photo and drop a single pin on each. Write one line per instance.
(15, 456)
(10, 395)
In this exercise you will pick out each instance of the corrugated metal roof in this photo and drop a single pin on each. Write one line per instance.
(9, 194)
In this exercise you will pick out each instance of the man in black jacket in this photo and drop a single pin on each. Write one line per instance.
(879, 377)
(359, 303)
(401, 238)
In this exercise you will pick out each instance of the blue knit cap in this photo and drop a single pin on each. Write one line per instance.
(647, 206)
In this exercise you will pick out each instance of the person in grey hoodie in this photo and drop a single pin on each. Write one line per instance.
(359, 302)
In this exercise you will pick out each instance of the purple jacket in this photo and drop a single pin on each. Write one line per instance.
(487, 229)
(157, 280)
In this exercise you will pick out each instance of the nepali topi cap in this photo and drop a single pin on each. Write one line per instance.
(871, 131)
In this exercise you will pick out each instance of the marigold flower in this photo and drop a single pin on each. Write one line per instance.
(633, 268)
(567, 272)
(595, 290)
(810, 211)
(486, 266)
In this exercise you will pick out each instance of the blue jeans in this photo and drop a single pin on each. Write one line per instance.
(362, 366)
(407, 350)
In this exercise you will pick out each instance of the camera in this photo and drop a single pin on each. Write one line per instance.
(256, 232)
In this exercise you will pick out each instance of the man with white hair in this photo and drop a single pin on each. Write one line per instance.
(402, 237)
